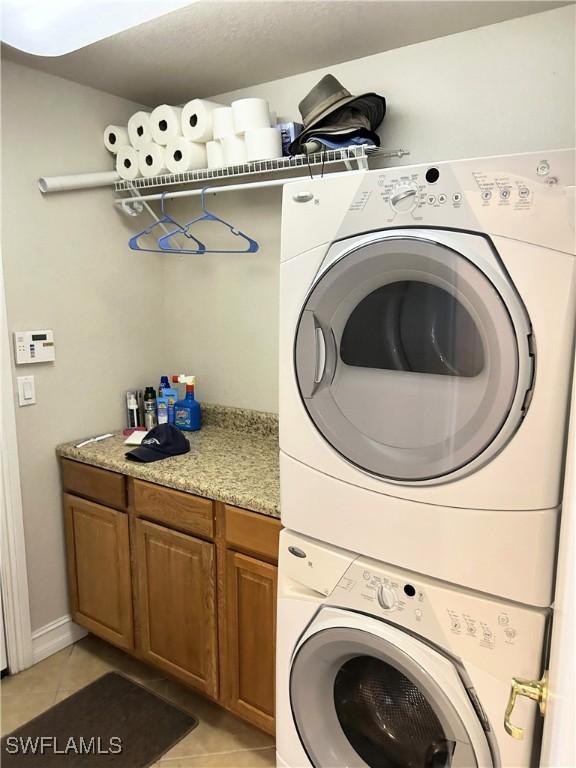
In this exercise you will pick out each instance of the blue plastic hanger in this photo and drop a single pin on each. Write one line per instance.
(206, 215)
(165, 219)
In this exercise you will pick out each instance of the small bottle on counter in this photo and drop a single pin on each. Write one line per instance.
(150, 413)
(164, 384)
(133, 414)
(187, 411)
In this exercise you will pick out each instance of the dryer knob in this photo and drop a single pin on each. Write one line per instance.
(386, 597)
(404, 199)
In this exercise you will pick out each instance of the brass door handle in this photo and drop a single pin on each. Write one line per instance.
(537, 690)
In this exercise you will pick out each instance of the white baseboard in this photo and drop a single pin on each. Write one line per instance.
(52, 637)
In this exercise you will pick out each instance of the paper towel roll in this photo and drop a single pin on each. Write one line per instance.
(127, 163)
(115, 136)
(197, 119)
(263, 144)
(250, 114)
(234, 150)
(139, 131)
(182, 155)
(166, 123)
(215, 154)
(223, 122)
(152, 159)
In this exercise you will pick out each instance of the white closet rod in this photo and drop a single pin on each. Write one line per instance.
(77, 181)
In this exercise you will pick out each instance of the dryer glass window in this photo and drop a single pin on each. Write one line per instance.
(387, 719)
(408, 360)
(413, 326)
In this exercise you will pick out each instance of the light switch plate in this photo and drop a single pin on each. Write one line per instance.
(26, 390)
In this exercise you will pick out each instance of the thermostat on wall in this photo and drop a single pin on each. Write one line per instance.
(34, 347)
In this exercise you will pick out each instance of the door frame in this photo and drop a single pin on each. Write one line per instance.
(14, 573)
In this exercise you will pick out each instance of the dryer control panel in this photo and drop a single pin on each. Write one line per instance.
(507, 196)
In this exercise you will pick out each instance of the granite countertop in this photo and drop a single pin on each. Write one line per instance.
(233, 458)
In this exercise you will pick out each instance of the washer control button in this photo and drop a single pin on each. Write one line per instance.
(505, 193)
(386, 597)
(431, 199)
(486, 194)
(456, 197)
(524, 192)
(442, 199)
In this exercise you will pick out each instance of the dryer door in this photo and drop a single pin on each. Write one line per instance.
(365, 693)
(409, 361)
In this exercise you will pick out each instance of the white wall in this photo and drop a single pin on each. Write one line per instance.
(500, 89)
(67, 267)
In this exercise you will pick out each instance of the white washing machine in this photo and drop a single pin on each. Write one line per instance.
(378, 666)
(427, 321)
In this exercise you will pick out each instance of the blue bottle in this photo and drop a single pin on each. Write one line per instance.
(187, 411)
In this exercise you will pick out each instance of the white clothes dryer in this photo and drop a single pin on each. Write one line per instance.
(377, 666)
(427, 321)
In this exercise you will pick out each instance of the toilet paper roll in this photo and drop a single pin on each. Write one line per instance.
(215, 154)
(115, 136)
(182, 155)
(139, 131)
(166, 123)
(263, 144)
(152, 159)
(223, 122)
(197, 119)
(250, 114)
(234, 150)
(127, 163)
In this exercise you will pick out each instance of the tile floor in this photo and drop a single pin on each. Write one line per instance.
(220, 740)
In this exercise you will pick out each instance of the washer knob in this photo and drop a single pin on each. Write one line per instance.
(386, 597)
(404, 199)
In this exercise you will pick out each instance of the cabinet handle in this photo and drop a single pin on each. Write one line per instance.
(537, 690)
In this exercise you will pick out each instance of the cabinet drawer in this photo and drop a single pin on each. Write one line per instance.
(252, 532)
(108, 488)
(176, 509)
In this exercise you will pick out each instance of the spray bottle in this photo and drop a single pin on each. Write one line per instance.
(187, 411)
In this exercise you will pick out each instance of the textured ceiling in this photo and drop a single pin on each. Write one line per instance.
(212, 46)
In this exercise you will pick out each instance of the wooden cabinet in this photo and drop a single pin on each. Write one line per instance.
(99, 569)
(182, 582)
(251, 630)
(176, 604)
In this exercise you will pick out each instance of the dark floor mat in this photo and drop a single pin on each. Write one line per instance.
(111, 722)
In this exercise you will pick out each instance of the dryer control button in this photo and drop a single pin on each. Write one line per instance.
(386, 597)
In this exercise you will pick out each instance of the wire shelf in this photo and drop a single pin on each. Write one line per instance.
(348, 155)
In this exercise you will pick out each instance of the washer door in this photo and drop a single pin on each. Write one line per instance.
(408, 360)
(375, 696)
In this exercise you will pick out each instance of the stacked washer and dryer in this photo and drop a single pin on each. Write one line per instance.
(427, 319)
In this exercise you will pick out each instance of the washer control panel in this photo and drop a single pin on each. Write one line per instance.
(448, 615)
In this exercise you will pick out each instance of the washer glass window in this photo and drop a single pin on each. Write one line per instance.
(386, 717)
(359, 699)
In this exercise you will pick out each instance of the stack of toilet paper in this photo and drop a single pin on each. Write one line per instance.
(200, 134)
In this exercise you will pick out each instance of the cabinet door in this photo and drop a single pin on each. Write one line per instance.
(99, 569)
(251, 626)
(176, 604)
